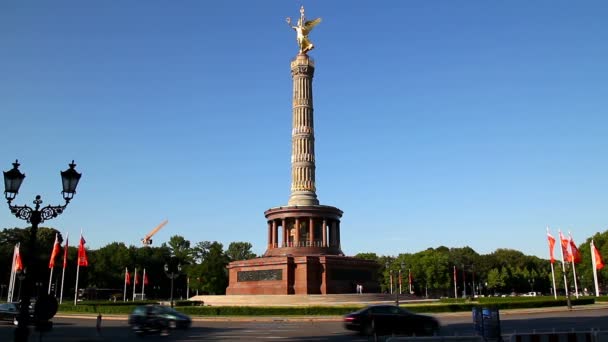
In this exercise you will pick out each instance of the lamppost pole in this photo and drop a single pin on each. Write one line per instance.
(172, 273)
(35, 216)
(397, 293)
(2, 287)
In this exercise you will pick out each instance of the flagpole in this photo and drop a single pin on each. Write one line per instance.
(574, 276)
(554, 288)
(593, 265)
(65, 260)
(400, 281)
(11, 282)
(573, 267)
(409, 279)
(76, 289)
(81, 259)
(134, 282)
(455, 286)
(143, 284)
(52, 261)
(124, 296)
(564, 271)
(551, 248)
(51, 279)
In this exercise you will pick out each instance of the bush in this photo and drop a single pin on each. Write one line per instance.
(455, 305)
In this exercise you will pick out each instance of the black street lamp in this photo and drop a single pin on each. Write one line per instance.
(35, 216)
(20, 276)
(2, 287)
(172, 271)
(531, 281)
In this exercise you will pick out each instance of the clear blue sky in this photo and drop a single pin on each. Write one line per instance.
(456, 123)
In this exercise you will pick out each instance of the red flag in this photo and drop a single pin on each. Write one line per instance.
(65, 252)
(136, 278)
(400, 279)
(551, 245)
(411, 279)
(18, 262)
(576, 255)
(454, 274)
(565, 250)
(127, 277)
(55, 252)
(82, 253)
(599, 264)
(145, 278)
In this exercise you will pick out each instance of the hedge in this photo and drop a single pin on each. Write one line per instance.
(500, 303)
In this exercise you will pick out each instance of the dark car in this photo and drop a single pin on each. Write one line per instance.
(157, 318)
(390, 319)
(9, 312)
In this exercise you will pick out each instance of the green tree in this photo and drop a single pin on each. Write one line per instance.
(213, 273)
(240, 251)
(496, 280)
(367, 256)
(180, 248)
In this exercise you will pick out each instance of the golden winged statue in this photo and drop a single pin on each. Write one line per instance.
(302, 30)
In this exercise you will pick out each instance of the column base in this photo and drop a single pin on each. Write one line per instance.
(303, 198)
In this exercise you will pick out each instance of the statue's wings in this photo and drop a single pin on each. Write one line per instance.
(309, 24)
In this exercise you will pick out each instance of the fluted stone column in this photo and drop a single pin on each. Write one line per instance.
(274, 234)
(303, 190)
(311, 231)
(269, 235)
(324, 244)
(296, 235)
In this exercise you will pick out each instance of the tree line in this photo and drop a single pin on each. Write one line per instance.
(204, 267)
(503, 271)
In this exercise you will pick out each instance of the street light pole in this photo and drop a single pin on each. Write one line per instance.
(172, 273)
(35, 216)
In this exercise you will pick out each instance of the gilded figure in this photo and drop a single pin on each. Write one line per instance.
(302, 30)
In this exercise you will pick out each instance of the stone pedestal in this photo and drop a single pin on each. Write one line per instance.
(311, 274)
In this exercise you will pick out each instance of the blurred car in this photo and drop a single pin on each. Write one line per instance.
(157, 318)
(390, 319)
(9, 312)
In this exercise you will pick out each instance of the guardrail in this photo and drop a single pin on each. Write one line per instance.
(577, 336)
(437, 338)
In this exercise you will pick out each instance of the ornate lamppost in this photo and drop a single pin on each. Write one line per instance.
(2, 287)
(172, 271)
(531, 282)
(35, 216)
(20, 276)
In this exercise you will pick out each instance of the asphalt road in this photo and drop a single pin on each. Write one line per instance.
(115, 329)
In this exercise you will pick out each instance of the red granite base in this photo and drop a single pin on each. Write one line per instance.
(312, 274)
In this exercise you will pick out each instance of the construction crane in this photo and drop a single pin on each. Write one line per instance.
(147, 240)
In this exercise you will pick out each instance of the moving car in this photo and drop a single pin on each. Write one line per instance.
(390, 319)
(157, 318)
(9, 312)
